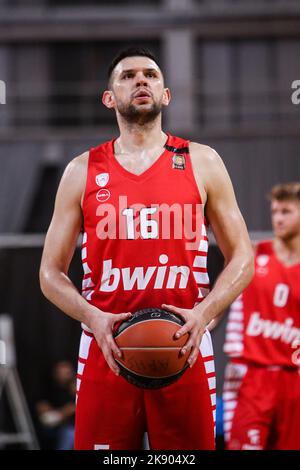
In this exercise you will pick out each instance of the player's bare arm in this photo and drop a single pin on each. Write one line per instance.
(215, 322)
(231, 234)
(58, 251)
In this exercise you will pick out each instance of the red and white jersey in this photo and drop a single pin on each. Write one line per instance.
(264, 322)
(138, 249)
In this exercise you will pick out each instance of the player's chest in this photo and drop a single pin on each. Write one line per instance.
(275, 283)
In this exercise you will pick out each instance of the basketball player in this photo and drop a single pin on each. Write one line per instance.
(262, 380)
(113, 191)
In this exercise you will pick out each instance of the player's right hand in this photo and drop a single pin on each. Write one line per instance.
(102, 325)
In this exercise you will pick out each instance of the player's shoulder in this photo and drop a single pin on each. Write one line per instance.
(79, 161)
(206, 161)
(203, 151)
(263, 247)
(74, 177)
(203, 155)
(77, 166)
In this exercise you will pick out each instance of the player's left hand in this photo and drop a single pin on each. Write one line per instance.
(195, 325)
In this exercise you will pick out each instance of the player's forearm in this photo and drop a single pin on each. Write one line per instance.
(232, 281)
(59, 289)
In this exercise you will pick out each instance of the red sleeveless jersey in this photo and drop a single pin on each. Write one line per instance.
(145, 240)
(264, 322)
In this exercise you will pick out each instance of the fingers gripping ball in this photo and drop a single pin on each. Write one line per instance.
(150, 352)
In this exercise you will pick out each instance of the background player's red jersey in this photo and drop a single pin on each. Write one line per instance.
(264, 322)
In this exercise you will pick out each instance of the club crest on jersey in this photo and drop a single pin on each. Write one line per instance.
(102, 179)
(178, 161)
(262, 260)
(102, 195)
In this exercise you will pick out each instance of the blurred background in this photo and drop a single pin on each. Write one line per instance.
(230, 65)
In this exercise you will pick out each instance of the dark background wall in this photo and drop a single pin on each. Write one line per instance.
(43, 334)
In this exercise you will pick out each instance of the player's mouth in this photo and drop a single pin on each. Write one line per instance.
(142, 95)
(280, 229)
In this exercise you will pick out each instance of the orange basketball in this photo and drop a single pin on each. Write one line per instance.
(150, 352)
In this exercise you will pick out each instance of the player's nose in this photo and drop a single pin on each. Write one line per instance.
(279, 221)
(141, 80)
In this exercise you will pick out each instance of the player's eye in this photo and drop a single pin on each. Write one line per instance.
(127, 75)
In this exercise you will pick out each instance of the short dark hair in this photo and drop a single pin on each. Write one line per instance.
(285, 192)
(129, 52)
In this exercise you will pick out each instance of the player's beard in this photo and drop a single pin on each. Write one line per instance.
(287, 235)
(140, 115)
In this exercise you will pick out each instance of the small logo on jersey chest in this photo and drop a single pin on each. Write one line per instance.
(102, 195)
(262, 260)
(102, 179)
(262, 268)
(178, 161)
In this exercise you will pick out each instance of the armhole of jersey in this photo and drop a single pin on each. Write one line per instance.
(195, 181)
(86, 181)
(254, 248)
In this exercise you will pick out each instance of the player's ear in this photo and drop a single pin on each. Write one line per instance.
(108, 99)
(166, 97)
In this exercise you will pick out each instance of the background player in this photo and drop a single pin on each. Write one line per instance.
(148, 168)
(262, 380)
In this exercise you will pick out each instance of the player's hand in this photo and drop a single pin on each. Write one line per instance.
(195, 325)
(102, 325)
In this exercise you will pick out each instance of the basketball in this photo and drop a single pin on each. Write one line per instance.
(150, 352)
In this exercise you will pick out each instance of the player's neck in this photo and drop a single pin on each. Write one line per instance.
(288, 250)
(134, 138)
